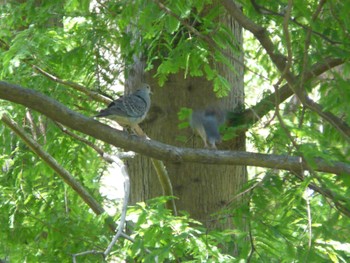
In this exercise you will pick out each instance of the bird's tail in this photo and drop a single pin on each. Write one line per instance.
(103, 113)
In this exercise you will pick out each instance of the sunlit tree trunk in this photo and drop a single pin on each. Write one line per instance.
(201, 189)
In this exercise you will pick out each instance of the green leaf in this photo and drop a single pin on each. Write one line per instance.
(171, 24)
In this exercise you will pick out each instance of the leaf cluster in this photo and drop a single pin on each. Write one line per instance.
(158, 235)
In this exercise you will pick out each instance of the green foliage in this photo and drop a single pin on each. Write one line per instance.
(171, 39)
(42, 220)
(161, 236)
(184, 115)
(287, 227)
(281, 197)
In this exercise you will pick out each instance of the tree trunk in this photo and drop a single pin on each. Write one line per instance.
(201, 189)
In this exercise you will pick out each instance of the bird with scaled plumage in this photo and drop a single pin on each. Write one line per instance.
(129, 110)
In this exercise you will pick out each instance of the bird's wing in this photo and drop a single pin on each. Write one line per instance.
(135, 105)
(211, 128)
(114, 108)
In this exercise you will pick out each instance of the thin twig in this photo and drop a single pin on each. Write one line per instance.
(251, 240)
(103, 155)
(265, 11)
(162, 174)
(309, 220)
(32, 125)
(165, 182)
(92, 94)
(95, 252)
(307, 42)
(250, 189)
(124, 208)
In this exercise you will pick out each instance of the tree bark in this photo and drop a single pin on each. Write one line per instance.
(200, 189)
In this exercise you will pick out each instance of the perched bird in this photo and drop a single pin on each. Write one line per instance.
(206, 123)
(129, 110)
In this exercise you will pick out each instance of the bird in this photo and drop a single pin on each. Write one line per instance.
(129, 110)
(206, 123)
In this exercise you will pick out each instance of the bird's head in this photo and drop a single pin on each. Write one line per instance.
(145, 89)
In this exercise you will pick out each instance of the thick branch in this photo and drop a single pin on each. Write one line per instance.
(261, 35)
(153, 149)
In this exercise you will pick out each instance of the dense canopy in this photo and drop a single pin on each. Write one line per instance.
(61, 62)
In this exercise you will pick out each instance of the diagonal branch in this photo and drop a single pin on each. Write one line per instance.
(251, 115)
(261, 35)
(75, 185)
(92, 94)
(63, 173)
(154, 149)
(103, 154)
(280, 62)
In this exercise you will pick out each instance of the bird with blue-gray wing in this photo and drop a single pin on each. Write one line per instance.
(206, 123)
(129, 110)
